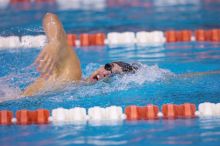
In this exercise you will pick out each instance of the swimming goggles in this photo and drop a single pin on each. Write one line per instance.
(107, 67)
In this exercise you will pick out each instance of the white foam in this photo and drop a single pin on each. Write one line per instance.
(145, 75)
(8, 93)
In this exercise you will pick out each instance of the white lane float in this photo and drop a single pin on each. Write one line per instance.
(150, 38)
(142, 37)
(68, 4)
(157, 37)
(125, 38)
(217, 109)
(59, 115)
(33, 41)
(209, 109)
(81, 4)
(114, 113)
(10, 42)
(77, 114)
(113, 38)
(96, 114)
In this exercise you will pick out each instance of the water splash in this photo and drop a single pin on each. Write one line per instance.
(146, 74)
(12, 84)
(8, 92)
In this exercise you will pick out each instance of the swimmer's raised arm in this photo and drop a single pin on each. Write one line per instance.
(57, 62)
(56, 53)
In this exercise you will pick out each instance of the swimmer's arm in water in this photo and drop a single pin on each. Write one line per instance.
(34, 87)
(57, 62)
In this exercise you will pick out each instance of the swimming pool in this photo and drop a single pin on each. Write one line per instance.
(152, 87)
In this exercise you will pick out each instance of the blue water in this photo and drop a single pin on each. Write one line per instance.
(149, 86)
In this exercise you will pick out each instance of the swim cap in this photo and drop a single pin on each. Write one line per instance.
(126, 67)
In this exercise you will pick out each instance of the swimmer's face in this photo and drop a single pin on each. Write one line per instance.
(105, 71)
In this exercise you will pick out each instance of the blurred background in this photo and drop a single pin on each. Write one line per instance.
(19, 17)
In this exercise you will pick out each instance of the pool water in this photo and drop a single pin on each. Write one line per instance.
(155, 84)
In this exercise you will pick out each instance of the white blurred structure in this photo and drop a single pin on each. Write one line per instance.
(4, 4)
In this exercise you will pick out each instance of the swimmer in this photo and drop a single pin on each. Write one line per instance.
(59, 64)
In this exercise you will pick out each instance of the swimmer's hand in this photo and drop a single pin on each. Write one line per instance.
(47, 60)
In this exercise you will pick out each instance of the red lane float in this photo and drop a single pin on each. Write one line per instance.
(171, 36)
(178, 36)
(6, 117)
(214, 35)
(185, 35)
(71, 39)
(133, 112)
(25, 117)
(186, 110)
(84, 39)
(170, 111)
(200, 35)
(92, 39)
(97, 39)
(150, 112)
(42, 116)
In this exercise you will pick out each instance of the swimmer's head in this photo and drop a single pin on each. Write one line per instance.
(112, 68)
